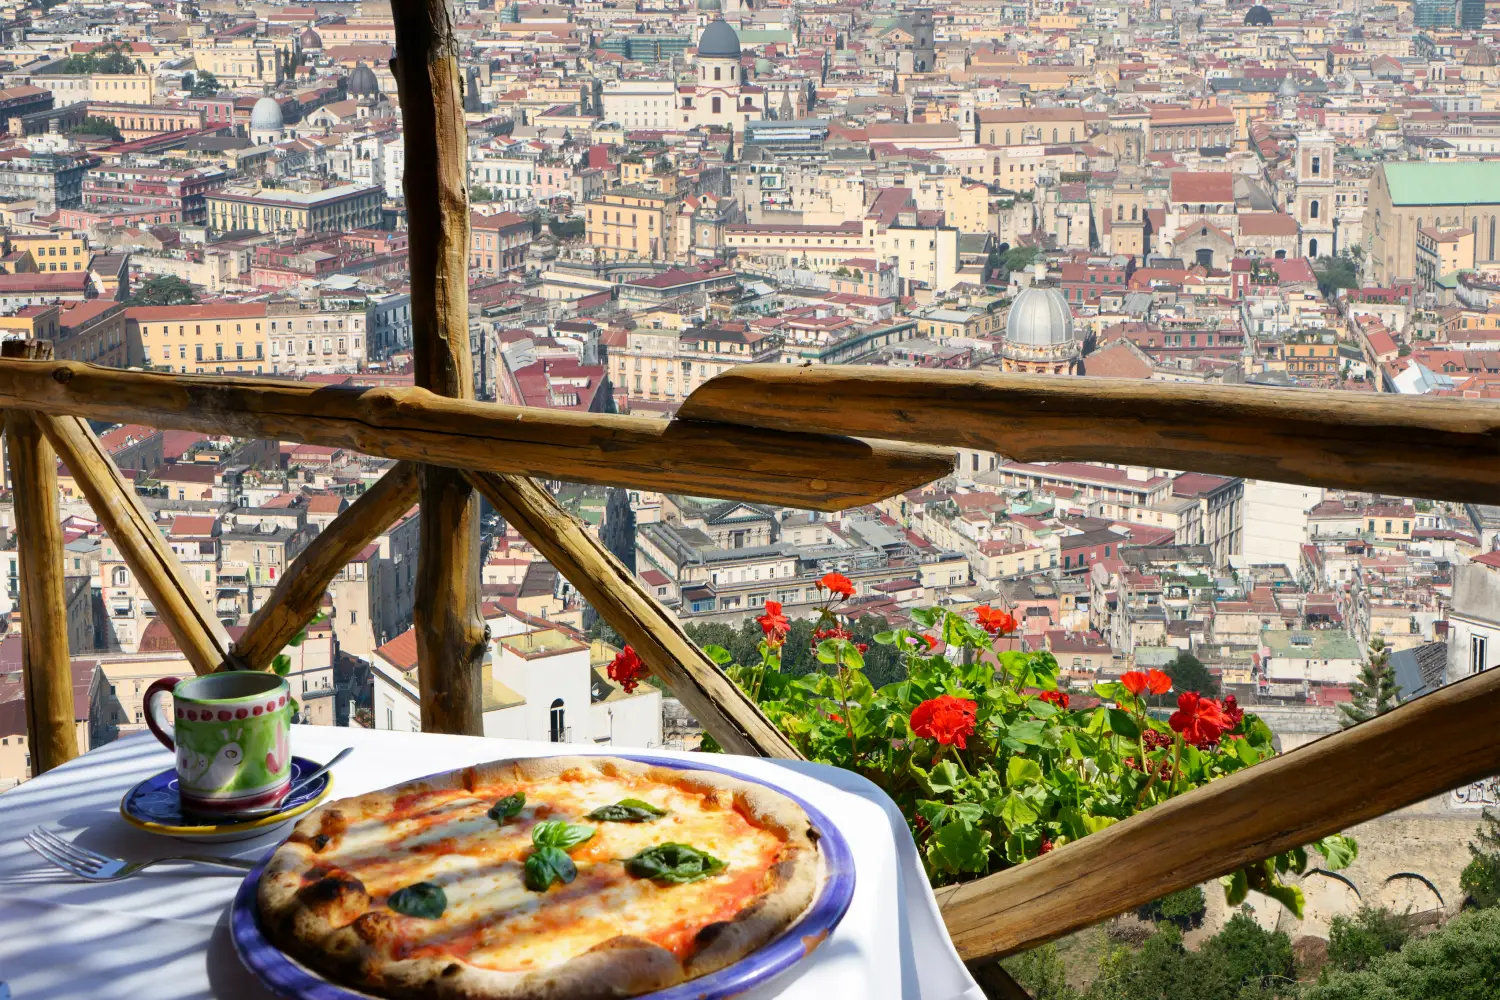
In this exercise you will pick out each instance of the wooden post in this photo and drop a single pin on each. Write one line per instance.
(47, 676)
(179, 601)
(1424, 748)
(451, 636)
(299, 592)
(653, 631)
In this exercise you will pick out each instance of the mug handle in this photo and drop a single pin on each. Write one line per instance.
(159, 687)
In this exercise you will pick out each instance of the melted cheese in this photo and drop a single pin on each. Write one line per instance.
(492, 920)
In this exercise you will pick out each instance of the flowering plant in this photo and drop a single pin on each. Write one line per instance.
(985, 755)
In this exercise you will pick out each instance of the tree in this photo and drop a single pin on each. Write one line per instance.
(1020, 258)
(112, 58)
(1460, 961)
(163, 290)
(481, 193)
(1189, 674)
(205, 85)
(97, 126)
(1376, 691)
(1337, 272)
(1481, 876)
(1184, 908)
(1354, 943)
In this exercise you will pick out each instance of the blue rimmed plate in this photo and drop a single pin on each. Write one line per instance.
(153, 805)
(288, 978)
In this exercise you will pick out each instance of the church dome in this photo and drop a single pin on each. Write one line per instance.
(710, 5)
(1039, 317)
(310, 39)
(1258, 17)
(1387, 123)
(719, 41)
(1480, 56)
(362, 82)
(266, 115)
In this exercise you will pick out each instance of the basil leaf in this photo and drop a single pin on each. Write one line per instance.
(422, 899)
(675, 863)
(547, 865)
(508, 807)
(560, 834)
(627, 811)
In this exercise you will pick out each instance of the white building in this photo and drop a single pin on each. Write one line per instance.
(1474, 620)
(393, 168)
(637, 104)
(1275, 522)
(539, 685)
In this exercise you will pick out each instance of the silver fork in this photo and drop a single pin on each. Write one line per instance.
(96, 867)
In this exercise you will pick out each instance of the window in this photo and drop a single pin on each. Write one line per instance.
(558, 731)
(1477, 656)
(716, 106)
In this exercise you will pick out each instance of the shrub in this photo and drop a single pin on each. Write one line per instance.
(1241, 962)
(1184, 908)
(1042, 973)
(1460, 961)
(1354, 942)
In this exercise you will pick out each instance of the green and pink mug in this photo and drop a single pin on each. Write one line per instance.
(232, 737)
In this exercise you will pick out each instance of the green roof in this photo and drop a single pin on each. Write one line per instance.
(1443, 183)
(1298, 645)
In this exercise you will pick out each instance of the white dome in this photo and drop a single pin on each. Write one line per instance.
(266, 115)
(1039, 317)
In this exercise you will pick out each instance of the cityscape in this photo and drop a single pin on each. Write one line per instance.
(1274, 197)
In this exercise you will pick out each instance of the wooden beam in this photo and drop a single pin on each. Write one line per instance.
(808, 471)
(451, 635)
(179, 600)
(1424, 748)
(1446, 449)
(653, 631)
(46, 673)
(299, 592)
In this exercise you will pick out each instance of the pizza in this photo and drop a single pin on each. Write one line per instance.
(540, 878)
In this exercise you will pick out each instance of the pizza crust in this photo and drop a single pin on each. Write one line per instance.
(321, 914)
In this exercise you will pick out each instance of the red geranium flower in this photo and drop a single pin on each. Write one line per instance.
(837, 632)
(1046, 846)
(1200, 720)
(1155, 681)
(947, 719)
(627, 670)
(836, 583)
(1233, 712)
(774, 624)
(994, 620)
(1058, 698)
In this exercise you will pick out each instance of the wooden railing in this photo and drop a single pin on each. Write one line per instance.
(821, 438)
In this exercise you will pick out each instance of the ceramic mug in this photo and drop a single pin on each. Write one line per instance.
(232, 737)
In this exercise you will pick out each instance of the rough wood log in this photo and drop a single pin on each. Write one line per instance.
(1426, 747)
(808, 471)
(451, 635)
(46, 674)
(1446, 449)
(179, 600)
(299, 593)
(653, 631)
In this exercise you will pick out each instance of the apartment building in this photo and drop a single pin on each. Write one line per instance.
(201, 338)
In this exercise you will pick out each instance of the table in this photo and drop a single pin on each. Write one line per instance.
(163, 934)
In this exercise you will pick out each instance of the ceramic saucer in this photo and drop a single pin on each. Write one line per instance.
(154, 806)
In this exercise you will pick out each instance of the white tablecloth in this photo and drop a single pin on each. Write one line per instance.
(164, 933)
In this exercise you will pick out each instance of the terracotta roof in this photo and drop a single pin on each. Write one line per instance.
(1202, 186)
(401, 652)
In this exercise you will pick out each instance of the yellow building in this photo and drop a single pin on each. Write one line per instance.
(237, 62)
(631, 222)
(200, 339)
(52, 251)
(1441, 252)
(336, 209)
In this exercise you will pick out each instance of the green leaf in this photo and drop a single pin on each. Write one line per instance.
(1338, 851)
(298, 639)
(627, 811)
(560, 834)
(421, 899)
(885, 638)
(1236, 887)
(508, 807)
(1093, 824)
(549, 864)
(718, 654)
(674, 863)
(1124, 723)
(1028, 732)
(1022, 771)
(945, 777)
(1244, 752)
(282, 664)
(1289, 896)
(941, 813)
(959, 848)
(1015, 811)
(925, 617)
(1108, 690)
